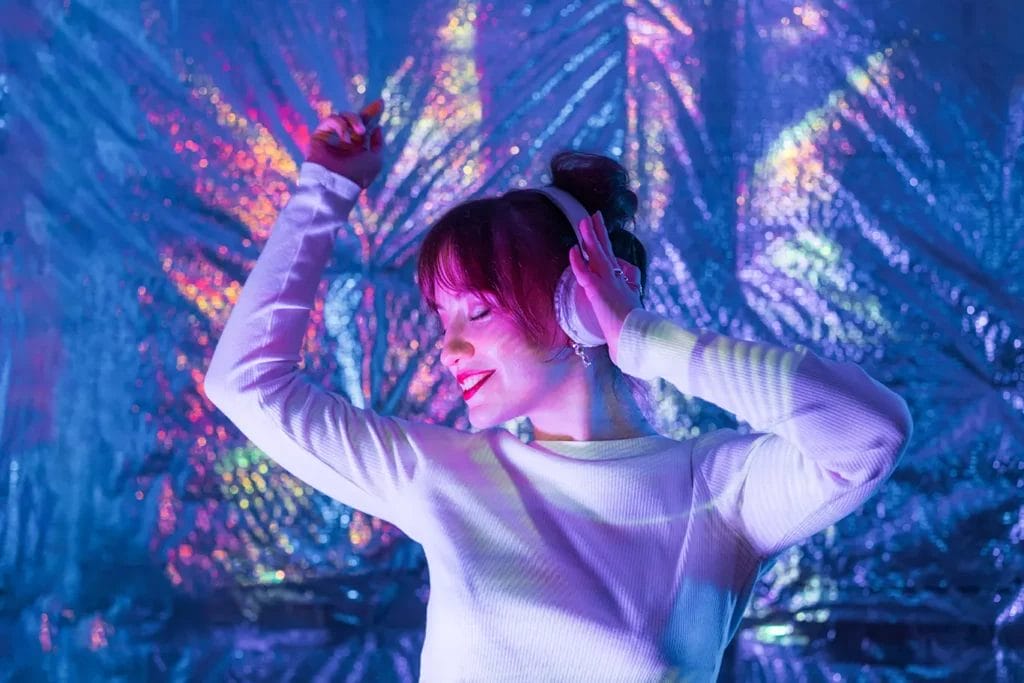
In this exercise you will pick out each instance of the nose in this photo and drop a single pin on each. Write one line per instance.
(453, 347)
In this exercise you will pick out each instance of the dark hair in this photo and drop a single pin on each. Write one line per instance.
(513, 248)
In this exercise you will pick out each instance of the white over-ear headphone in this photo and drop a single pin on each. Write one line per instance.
(572, 307)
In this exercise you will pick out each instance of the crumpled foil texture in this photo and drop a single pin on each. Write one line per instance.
(841, 174)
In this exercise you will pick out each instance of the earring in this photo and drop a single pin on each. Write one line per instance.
(578, 348)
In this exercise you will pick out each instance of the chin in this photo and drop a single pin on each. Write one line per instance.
(481, 422)
(481, 418)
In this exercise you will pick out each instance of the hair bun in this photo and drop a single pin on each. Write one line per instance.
(600, 183)
(597, 182)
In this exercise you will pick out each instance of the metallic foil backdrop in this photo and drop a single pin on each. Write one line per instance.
(844, 174)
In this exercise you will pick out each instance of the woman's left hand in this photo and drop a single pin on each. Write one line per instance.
(350, 143)
(611, 296)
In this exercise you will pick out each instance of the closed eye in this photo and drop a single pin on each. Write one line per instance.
(479, 316)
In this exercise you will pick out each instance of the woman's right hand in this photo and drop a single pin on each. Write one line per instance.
(350, 144)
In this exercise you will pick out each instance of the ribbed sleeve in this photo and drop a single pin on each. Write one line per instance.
(828, 435)
(362, 459)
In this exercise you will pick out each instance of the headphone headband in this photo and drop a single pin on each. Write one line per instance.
(570, 206)
(580, 325)
(582, 330)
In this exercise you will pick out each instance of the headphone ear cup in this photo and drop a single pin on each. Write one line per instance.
(574, 313)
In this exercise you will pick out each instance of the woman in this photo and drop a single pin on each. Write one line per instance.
(600, 550)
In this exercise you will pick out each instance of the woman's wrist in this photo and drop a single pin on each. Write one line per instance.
(337, 183)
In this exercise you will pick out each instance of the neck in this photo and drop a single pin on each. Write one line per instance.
(593, 404)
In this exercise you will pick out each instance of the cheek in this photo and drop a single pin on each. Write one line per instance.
(517, 355)
(527, 373)
(505, 339)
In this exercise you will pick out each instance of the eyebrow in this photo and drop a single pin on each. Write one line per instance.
(468, 295)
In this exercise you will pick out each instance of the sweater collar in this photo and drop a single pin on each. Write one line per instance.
(608, 449)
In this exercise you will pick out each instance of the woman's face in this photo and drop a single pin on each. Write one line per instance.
(481, 339)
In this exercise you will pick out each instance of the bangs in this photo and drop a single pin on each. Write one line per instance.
(503, 250)
(458, 255)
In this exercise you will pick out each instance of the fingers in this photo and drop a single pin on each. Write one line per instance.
(355, 123)
(348, 128)
(627, 267)
(370, 114)
(376, 139)
(339, 130)
(596, 242)
(631, 273)
(579, 266)
(331, 125)
(601, 231)
(586, 235)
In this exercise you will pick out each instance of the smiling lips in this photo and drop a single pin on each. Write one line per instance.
(475, 382)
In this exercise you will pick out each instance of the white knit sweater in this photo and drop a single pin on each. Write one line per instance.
(625, 560)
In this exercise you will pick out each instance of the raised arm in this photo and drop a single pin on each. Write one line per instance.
(362, 459)
(829, 435)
